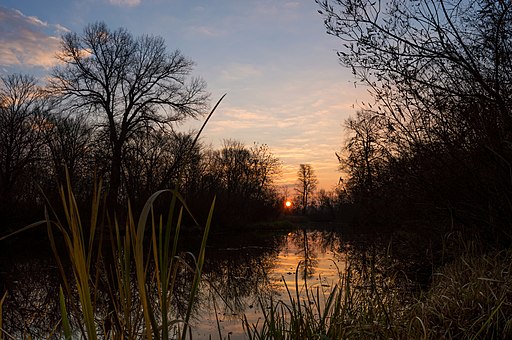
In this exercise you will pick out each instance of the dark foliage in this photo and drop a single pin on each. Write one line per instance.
(109, 114)
(435, 146)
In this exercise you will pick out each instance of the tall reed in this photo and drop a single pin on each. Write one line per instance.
(350, 308)
(469, 298)
(139, 272)
(141, 257)
(1, 313)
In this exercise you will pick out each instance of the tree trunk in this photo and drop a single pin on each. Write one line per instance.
(115, 179)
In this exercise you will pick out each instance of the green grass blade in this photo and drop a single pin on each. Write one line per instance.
(30, 226)
(65, 321)
(199, 268)
(1, 313)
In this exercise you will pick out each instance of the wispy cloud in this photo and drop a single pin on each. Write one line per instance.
(296, 132)
(236, 71)
(125, 3)
(27, 40)
(206, 31)
(298, 115)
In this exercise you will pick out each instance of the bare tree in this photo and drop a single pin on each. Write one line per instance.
(234, 160)
(247, 172)
(128, 83)
(153, 160)
(441, 71)
(242, 178)
(441, 75)
(69, 139)
(21, 102)
(265, 168)
(365, 153)
(306, 184)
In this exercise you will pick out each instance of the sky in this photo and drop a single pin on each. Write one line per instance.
(284, 84)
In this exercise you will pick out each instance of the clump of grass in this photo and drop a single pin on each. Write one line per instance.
(134, 310)
(470, 298)
(139, 272)
(352, 308)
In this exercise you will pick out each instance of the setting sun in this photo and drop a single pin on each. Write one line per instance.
(287, 204)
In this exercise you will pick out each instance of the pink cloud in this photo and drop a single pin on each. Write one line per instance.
(24, 40)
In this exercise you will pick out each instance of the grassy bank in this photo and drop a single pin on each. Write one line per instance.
(470, 298)
(125, 288)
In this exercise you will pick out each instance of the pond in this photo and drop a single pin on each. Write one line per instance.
(241, 273)
(264, 268)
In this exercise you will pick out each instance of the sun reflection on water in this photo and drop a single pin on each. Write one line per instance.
(240, 271)
(311, 257)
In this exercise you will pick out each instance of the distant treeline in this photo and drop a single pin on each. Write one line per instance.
(40, 143)
(108, 111)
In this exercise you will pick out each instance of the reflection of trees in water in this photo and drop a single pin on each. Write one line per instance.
(32, 300)
(309, 244)
(379, 268)
(309, 257)
(238, 272)
(32, 305)
(238, 275)
(239, 280)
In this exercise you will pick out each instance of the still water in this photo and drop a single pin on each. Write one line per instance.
(242, 272)
(255, 272)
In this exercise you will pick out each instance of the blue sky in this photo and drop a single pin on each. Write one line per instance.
(273, 58)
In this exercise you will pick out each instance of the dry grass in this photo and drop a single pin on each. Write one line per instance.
(470, 298)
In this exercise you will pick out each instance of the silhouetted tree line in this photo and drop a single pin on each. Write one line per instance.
(435, 149)
(108, 112)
